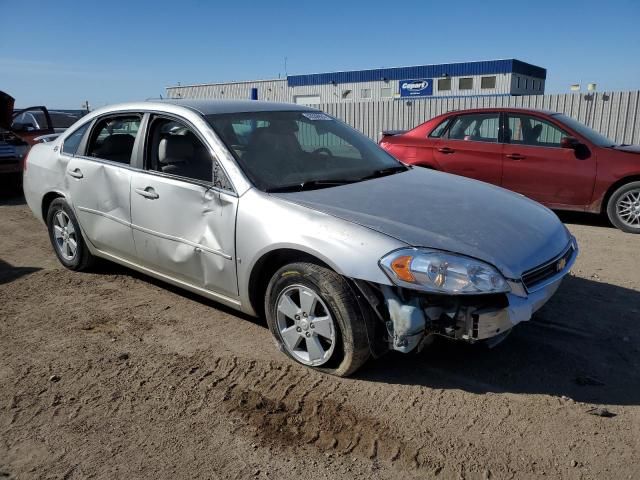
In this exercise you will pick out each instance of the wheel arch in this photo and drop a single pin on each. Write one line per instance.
(615, 186)
(267, 265)
(47, 199)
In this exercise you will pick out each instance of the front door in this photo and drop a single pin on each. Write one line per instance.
(184, 222)
(537, 166)
(32, 122)
(99, 181)
(470, 147)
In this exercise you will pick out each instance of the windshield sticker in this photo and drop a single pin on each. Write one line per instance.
(316, 116)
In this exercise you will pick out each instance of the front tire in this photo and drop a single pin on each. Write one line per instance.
(66, 237)
(623, 208)
(316, 319)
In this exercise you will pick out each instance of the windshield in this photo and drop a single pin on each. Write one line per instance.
(288, 150)
(589, 133)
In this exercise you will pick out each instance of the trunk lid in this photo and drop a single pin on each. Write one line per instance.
(6, 110)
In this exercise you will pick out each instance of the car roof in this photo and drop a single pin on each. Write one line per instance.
(211, 107)
(502, 109)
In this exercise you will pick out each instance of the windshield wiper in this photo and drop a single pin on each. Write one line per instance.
(309, 185)
(383, 172)
(333, 182)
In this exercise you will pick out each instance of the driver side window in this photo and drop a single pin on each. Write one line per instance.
(528, 130)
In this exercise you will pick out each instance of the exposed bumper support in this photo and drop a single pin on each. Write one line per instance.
(412, 321)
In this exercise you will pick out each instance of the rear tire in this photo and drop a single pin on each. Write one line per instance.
(316, 319)
(623, 208)
(66, 237)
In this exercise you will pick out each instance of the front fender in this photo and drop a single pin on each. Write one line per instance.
(265, 224)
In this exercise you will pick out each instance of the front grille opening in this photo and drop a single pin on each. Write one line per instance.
(538, 275)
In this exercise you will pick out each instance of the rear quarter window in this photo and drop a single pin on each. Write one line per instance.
(72, 142)
(440, 129)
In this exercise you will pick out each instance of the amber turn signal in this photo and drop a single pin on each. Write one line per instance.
(401, 266)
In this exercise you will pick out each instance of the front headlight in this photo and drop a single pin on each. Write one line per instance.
(441, 272)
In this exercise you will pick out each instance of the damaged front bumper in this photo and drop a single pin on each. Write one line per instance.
(412, 318)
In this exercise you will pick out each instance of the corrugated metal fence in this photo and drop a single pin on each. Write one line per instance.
(614, 114)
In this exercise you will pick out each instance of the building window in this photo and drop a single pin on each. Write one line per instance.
(465, 83)
(526, 84)
(517, 82)
(365, 93)
(385, 92)
(488, 82)
(444, 84)
(533, 84)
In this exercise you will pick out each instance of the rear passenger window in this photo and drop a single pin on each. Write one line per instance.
(71, 143)
(113, 138)
(475, 127)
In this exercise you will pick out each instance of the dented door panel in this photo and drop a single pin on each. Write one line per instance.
(185, 230)
(99, 193)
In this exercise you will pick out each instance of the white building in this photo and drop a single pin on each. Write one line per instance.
(492, 77)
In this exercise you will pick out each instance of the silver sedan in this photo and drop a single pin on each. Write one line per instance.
(282, 211)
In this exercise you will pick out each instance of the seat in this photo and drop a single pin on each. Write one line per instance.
(174, 153)
(531, 135)
(273, 151)
(116, 147)
(178, 155)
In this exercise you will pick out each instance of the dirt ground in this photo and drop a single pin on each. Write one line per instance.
(112, 375)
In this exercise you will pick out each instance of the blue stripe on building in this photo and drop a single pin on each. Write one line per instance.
(489, 67)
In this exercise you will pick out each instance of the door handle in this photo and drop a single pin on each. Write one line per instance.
(446, 150)
(148, 192)
(515, 156)
(75, 173)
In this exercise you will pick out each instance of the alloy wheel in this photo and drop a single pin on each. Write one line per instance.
(628, 208)
(305, 325)
(65, 235)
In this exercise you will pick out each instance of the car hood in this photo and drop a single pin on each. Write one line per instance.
(628, 148)
(6, 110)
(425, 208)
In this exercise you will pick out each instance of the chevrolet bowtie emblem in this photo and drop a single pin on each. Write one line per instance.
(561, 264)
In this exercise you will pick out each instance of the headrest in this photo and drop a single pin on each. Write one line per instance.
(175, 149)
(282, 127)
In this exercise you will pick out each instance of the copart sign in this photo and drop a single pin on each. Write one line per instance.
(416, 88)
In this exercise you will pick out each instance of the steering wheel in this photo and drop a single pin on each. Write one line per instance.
(322, 150)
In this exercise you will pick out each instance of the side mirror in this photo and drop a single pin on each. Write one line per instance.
(569, 142)
(22, 127)
(581, 150)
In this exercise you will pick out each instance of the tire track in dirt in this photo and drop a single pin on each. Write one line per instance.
(294, 410)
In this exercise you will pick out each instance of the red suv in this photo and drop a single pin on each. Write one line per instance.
(547, 156)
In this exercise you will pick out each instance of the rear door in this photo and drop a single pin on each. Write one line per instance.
(98, 178)
(183, 209)
(470, 147)
(537, 166)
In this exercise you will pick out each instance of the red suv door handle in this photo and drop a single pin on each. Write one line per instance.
(446, 150)
(516, 156)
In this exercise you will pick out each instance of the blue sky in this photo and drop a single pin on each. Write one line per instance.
(64, 52)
